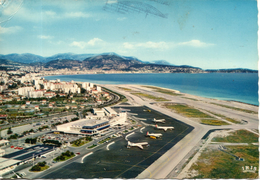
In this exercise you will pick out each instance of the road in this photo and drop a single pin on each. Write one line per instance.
(83, 150)
(30, 121)
(166, 163)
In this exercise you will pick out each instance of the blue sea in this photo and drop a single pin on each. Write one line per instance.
(241, 87)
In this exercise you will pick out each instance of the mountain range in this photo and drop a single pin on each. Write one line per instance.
(32, 58)
(104, 62)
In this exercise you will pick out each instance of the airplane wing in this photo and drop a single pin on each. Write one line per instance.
(140, 146)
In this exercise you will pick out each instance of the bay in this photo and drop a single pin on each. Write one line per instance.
(241, 87)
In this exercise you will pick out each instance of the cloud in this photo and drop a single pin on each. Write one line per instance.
(149, 44)
(47, 15)
(10, 30)
(50, 13)
(77, 15)
(128, 45)
(55, 16)
(162, 45)
(80, 44)
(121, 18)
(195, 43)
(83, 44)
(45, 37)
(111, 1)
(93, 42)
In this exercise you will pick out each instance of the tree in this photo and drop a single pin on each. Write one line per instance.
(57, 158)
(82, 90)
(88, 138)
(14, 136)
(13, 86)
(9, 131)
(41, 86)
(62, 158)
(31, 140)
(36, 168)
(42, 164)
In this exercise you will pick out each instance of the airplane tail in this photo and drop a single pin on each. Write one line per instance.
(156, 126)
(147, 133)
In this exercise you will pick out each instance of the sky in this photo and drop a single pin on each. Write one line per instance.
(209, 34)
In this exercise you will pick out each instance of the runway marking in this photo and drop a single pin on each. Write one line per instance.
(86, 156)
(119, 164)
(141, 130)
(128, 135)
(110, 144)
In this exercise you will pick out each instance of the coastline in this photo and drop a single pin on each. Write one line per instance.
(190, 95)
(196, 92)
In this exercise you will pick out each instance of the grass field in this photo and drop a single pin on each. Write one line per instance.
(190, 98)
(125, 89)
(215, 164)
(165, 91)
(104, 140)
(226, 118)
(92, 146)
(240, 136)
(187, 111)
(45, 167)
(150, 97)
(214, 122)
(66, 158)
(41, 168)
(80, 144)
(238, 109)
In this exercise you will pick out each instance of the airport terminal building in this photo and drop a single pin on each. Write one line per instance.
(94, 128)
(94, 125)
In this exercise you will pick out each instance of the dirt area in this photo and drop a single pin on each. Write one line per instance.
(215, 162)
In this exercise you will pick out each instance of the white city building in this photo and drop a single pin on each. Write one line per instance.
(3, 88)
(85, 85)
(99, 89)
(24, 90)
(35, 94)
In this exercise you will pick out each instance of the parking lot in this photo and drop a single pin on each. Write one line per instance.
(29, 153)
(59, 137)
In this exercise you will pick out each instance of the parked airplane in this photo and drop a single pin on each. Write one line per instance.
(165, 128)
(158, 120)
(140, 145)
(152, 137)
(154, 134)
